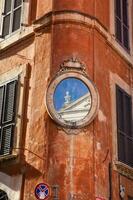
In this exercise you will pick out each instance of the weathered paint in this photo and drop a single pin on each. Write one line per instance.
(78, 163)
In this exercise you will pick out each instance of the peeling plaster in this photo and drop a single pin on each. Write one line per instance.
(98, 144)
(101, 116)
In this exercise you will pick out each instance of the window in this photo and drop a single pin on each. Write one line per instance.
(121, 22)
(124, 126)
(8, 94)
(3, 195)
(11, 16)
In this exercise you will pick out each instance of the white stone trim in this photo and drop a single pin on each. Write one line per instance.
(115, 79)
(25, 12)
(1, 18)
(130, 8)
(15, 37)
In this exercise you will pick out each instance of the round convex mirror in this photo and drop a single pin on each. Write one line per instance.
(72, 100)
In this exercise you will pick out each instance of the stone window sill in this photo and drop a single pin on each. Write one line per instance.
(10, 164)
(8, 158)
(15, 37)
(125, 54)
(123, 169)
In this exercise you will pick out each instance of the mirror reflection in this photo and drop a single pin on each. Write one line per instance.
(72, 99)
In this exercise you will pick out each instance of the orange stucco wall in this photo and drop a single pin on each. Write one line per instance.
(79, 164)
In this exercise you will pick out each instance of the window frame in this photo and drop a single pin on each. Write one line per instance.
(20, 73)
(122, 24)
(24, 30)
(12, 122)
(11, 20)
(118, 166)
(114, 41)
(123, 132)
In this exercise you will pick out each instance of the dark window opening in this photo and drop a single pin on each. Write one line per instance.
(7, 6)
(8, 95)
(17, 3)
(16, 19)
(124, 126)
(121, 22)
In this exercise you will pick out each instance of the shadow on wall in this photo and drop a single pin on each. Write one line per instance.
(21, 45)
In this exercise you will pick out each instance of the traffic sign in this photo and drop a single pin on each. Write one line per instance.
(42, 191)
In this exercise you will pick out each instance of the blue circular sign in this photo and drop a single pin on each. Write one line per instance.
(42, 191)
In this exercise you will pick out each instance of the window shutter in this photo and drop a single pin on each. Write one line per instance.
(118, 30)
(120, 109)
(8, 95)
(124, 126)
(125, 12)
(129, 155)
(1, 101)
(1, 107)
(128, 129)
(118, 8)
(118, 20)
(125, 24)
(120, 125)
(128, 114)
(0, 140)
(10, 99)
(121, 147)
(121, 22)
(6, 140)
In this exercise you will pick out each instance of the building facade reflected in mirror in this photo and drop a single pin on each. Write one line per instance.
(72, 99)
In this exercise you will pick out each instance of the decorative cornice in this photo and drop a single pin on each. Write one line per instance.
(76, 17)
(67, 12)
(72, 17)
